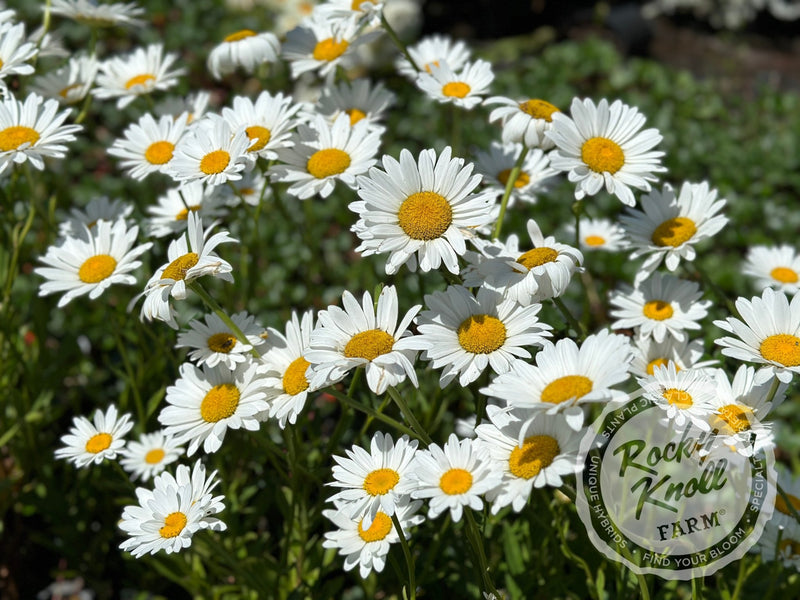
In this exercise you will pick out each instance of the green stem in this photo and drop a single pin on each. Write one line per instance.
(788, 501)
(644, 592)
(697, 593)
(512, 179)
(400, 45)
(740, 579)
(345, 417)
(573, 322)
(403, 406)
(368, 410)
(476, 543)
(715, 289)
(87, 102)
(137, 398)
(217, 310)
(773, 389)
(412, 586)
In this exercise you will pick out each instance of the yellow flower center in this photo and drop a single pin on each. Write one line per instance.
(657, 310)
(13, 137)
(455, 89)
(173, 525)
(784, 275)
(239, 35)
(782, 348)
(294, 379)
(220, 402)
(425, 216)
(143, 80)
(569, 387)
(356, 4)
(781, 506)
(522, 180)
(159, 153)
(674, 232)
(369, 344)
(380, 528)
(455, 481)
(594, 240)
(734, 418)
(481, 334)
(538, 109)
(215, 162)
(96, 268)
(678, 398)
(789, 547)
(327, 162)
(155, 456)
(65, 92)
(380, 481)
(659, 362)
(537, 453)
(184, 214)
(537, 257)
(221, 342)
(329, 49)
(356, 115)
(98, 442)
(602, 155)
(176, 270)
(259, 135)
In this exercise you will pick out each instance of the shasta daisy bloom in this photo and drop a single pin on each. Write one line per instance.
(253, 189)
(245, 48)
(420, 211)
(150, 455)
(93, 262)
(768, 333)
(364, 546)
(524, 121)
(268, 122)
(684, 395)
(454, 476)
(545, 452)
(463, 334)
(599, 234)
(780, 542)
(169, 515)
(777, 267)
(192, 107)
(205, 403)
(566, 377)
(210, 152)
(31, 130)
(365, 12)
(602, 145)
(169, 215)
(321, 44)
(659, 306)
(15, 52)
(363, 336)
(432, 51)
(535, 174)
(136, 74)
(649, 354)
(93, 14)
(464, 88)
(148, 146)
(92, 442)
(213, 343)
(378, 480)
(668, 226)
(99, 208)
(325, 154)
(360, 99)
(69, 84)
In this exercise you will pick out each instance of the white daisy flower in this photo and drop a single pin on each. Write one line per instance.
(602, 146)
(685, 395)
(659, 306)
(324, 154)
(524, 121)
(363, 336)
(543, 455)
(463, 334)
(768, 333)
(148, 146)
(777, 267)
(204, 404)
(566, 377)
(649, 354)
(150, 455)
(93, 14)
(213, 343)
(253, 188)
(210, 152)
(365, 12)
(268, 122)
(88, 442)
(420, 211)
(378, 480)
(535, 176)
(321, 44)
(93, 262)
(31, 130)
(192, 107)
(454, 476)
(668, 227)
(99, 208)
(15, 52)
(599, 234)
(170, 214)
(359, 99)
(136, 74)
(169, 515)
(69, 84)
(464, 88)
(367, 547)
(244, 48)
(432, 51)
(790, 484)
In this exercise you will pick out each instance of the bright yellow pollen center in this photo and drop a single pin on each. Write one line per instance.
(98, 442)
(173, 525)
(537, 453)
(380, 481)
(142, 79)
(569, 387)
(594, 240)
(155, 456)
(329, 49)
(64, 93)
(793, 546)
(602, 155)
(679, 398)
(455, 89)
(184, 214)
(13, 137)
(783, 349)
(96, 268)
(380, 528)
(220, 402)
(239, 35)
(784, 275)
(537, 257)
(369, 344)
(294, 379)
(215, 162)
(356, 115)
(425, 216)
(523, 178)
(538, 109)
(221, 342)
(481, 334)
(455, 481)
(734, 417)
(259, 135)
(781, 506)
(657, 310)
(327, 162)
(177, 269)
(159, 153)
(659, 362)
(674, 232)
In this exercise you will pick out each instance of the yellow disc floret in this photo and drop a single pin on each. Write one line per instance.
(260, 137)
(220, 402)
(294, 378)
(327, 162)
(602, 155)
(734, 417)
(538, 109)
(239, 35)
(537, 453)
(380, 481)
(569, 387)
(782, 348)
(98, 442)
(173, 525)
(658, 310)
(97, 268)
(329, 49)
(369, 344)
(674, 232)
(139, 80)
(15, 136)
(594, 240)
(678, 398)
(215, 162)
(455, 481)
(159, 153)
(537, 257)
(221, 342)
(481, 334)
(178, 268)
(455, 89)
(522, 179)
(154, 456)
(378, 530)
(425, 216)
(784, 275)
